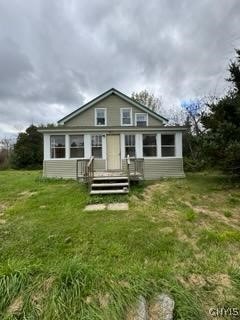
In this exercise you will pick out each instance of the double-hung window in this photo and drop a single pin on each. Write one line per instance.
(141, 119)
(130, 147)
(168, 145)
(77, 146)
(149, 145)
(57, 146)
(126, 116)
(100, 117)
(96, 142)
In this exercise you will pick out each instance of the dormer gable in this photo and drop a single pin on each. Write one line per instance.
(113, 108)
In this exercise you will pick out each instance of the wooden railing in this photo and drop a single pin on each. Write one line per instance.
(134, 167)
(85, 170)
(90, 172)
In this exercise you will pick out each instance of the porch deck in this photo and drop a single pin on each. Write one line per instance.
(109, 181)
(118, 173)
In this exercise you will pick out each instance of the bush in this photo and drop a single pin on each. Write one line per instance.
(192, 165)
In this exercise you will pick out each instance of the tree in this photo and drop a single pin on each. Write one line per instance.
(28, 150)
(6, 146)
(222, 141)
(148, 99)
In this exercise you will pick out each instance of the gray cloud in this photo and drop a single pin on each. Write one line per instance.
(56, 54)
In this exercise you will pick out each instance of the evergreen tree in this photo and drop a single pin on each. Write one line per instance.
(222, 141)
(28, 150)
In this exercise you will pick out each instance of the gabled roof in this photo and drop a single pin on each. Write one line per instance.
(105, 95)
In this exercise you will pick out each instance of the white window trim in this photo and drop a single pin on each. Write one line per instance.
(50, 147)
(130, 134)
(103, 145)
(137, 113)
(176, 150)
(121, 112)
(95, 117)
(157, 154)
(69, 138)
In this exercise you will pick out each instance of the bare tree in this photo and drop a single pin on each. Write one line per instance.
(148, 99)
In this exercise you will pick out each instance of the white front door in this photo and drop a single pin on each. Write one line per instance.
(113, 152)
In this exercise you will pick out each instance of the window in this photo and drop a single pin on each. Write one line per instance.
(168, 145)
(100, 117)
(57, 146)
(126, 116)
(130, 145)
(77, 146)
(141, 119)
(97, 146)
(149, 145)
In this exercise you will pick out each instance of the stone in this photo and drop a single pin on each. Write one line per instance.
(104, 300)
(95, 207)
(139, 311)
(118, 206)
(51, 236)
(68, 240)
(16, 306)
(161, 308)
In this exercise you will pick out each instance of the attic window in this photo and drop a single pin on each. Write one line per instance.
(100, 117)
(141, 119)
(126, 116)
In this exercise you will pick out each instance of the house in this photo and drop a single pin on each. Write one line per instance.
(110, 137)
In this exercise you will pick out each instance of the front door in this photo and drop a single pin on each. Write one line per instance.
(113, 152)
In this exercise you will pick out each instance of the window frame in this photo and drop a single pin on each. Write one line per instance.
(121, 116)
(95, 117)
(76, 135)
(130, 146)
(65, 146)
(94, 135)
(168, 146)
(141, 113)
(156, 145)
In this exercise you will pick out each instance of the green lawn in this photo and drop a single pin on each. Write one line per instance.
(180, 236)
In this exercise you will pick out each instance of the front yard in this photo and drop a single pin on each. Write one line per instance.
(180, 236)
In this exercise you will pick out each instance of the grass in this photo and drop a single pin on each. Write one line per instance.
(179, 236)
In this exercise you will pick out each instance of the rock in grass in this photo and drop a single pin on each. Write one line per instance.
(139, 311)
(68, 240)
(16, 306)
(161, 308)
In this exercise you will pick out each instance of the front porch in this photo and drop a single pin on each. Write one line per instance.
(109, 181)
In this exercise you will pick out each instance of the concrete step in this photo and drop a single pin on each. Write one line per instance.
(113, 184)
(122, 191)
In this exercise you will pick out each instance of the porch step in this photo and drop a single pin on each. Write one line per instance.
(113, 184)
(110, 178)
(122, 191)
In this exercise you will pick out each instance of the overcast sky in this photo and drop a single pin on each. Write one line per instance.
(56, 54)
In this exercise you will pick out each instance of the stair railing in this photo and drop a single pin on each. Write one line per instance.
(85, 170)
(134, 167)
(90, 172)
(81, 168)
